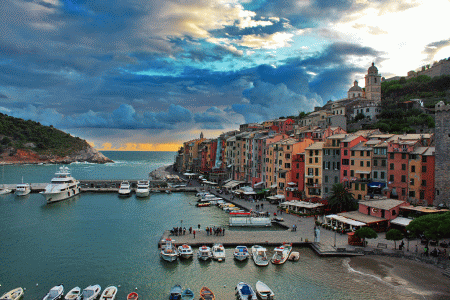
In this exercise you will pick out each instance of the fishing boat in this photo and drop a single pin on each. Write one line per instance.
(241, 253)
(168, 250)
(125, 188)
(132, 296)
(259, 255)
(74, 294)
(14, 294)
(204, 253)
(185, 251)
(203, 204)
(22, 189)
(63, 186)
(263, 291)
(109, 293)
(175, 292)
(187, 294)
(91, 292)
(245, 292)
(218, 252)
(55, 293)
(142, 189)
(206, 294)
(281, 254)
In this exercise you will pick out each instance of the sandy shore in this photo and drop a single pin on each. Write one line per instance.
(423, 280)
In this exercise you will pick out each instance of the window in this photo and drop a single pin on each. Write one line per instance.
(310, 160)
(403, 166)
(403, 192)
(353, 153)
(336, 179)
(391, 166)
(381, 175)
(345, 144)
(316, 159)
(375, 174)
(367, 153)
(288, 155)
(316, 171)
(403, 178)
(316, 152)
(424, 159)
(413, 169)
(345, 172)
(411, 181)
(352, 173)
(345, 162)
(297, 175)
(367, 109)
(383, 163)
(363, 187)
(345, 152)
(403, 155)
(412, 194)
(391, 155)
(287, 165)
(356, 186)
(326, 179)
(422, 195)
(375, 162)
(310, 171)
(424, 183)
(361, 164)
(359, 197)
(424, 169)
(352, 162)
(368, 163)
(361, 153)
(391, 178)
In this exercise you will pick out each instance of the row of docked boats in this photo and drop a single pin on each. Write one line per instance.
(169, 252)
(142, 189)
(57, 292)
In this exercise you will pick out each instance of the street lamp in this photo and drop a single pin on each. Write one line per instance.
(335, 232)
(407, 239)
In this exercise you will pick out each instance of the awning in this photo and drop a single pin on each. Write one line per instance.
(210, 182)
(274, 186)
(362, 172)
(291, 183)
(401, 221)
(249, 193)
(377, 185)
(345, 220)
(189, 174)
(258, 184)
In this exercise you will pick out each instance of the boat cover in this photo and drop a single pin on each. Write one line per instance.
(245, 290)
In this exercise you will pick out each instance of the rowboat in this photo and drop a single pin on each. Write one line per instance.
(74, 294)
(281, 254)
(206, 294)
(132, 296)
(187, 294)
(14, 294)
(91, 292)
(294, 256)
(263, 291)
(244, 291)
(175, 292)
(55, 293)
(109, 293)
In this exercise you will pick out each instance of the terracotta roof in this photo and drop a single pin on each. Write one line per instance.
(357, 216)
(386, 204)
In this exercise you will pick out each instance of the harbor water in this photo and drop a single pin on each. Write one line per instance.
(107, 240)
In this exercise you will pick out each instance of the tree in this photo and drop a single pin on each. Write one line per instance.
(341, 198)
(366, 233)
(432, 226)
(394, 235)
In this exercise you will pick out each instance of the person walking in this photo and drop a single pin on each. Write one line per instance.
(194, 234)
(224, 231)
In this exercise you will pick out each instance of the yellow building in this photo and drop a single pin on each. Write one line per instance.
(360, 169)
(313, 170)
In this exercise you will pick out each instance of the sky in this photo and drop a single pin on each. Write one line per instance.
(151, 74)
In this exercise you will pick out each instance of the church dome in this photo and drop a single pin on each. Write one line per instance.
(355, 87)
(372, 69)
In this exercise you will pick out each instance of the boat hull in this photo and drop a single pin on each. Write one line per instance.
(142, 194)
(15, 294)
(60, 196)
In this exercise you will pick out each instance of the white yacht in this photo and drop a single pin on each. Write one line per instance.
(185, 251)
(204, 253)
(218, 252)
(63, 186)
(125, 188)
(22, 189)
(142, 189)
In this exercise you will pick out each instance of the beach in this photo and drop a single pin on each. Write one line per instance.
(407, 277)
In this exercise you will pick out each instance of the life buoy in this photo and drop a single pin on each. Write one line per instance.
(374, 210)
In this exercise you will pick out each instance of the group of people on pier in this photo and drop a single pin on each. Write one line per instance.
(217, 231)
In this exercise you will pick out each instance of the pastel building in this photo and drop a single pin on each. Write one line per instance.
(313, 170)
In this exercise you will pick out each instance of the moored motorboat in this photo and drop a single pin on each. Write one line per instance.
(109, 293)
(218, 252)
(91, 292)
(175, 292)
(263, 291)
(55, 293)
(281, 254)
(133, 296)
(74, 294)
(206, 294)
(124, 189)
(14, 294)
(22, 189)
(187, 294)
(241, 253)
(204, 253)
(259, 255)
(5, 191)
(245, 292)
(142, 189)
(63, 186)
(294, 256)
(168, 250)
(185, 251)
(203, 204)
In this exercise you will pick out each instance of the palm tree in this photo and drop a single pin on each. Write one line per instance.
(341, 198)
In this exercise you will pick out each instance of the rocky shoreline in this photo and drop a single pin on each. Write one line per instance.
(21, 157)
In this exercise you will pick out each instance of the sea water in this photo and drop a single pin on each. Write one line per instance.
(102, 239)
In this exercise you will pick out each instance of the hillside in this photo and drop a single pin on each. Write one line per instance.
(30, 142)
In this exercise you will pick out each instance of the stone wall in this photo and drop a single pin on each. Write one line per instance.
(442, 138)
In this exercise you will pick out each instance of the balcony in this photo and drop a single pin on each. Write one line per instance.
(309, 175)
(313, 185)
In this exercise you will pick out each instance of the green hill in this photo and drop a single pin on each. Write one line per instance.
(44, 140)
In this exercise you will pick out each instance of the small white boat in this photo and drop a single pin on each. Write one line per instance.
(204, 253)
(22, 189)
(55, 293)
(5, 191)
(168, 250)
(125, 188)
(185, 251)
(259, 255)
(245, 292)
(91, 292)
(241, 253)
(263, 291)
(281, 254)
(218, 252)
(294, 256)
(14, 294)
(109, 293)
(73, 294)
(142, 189)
